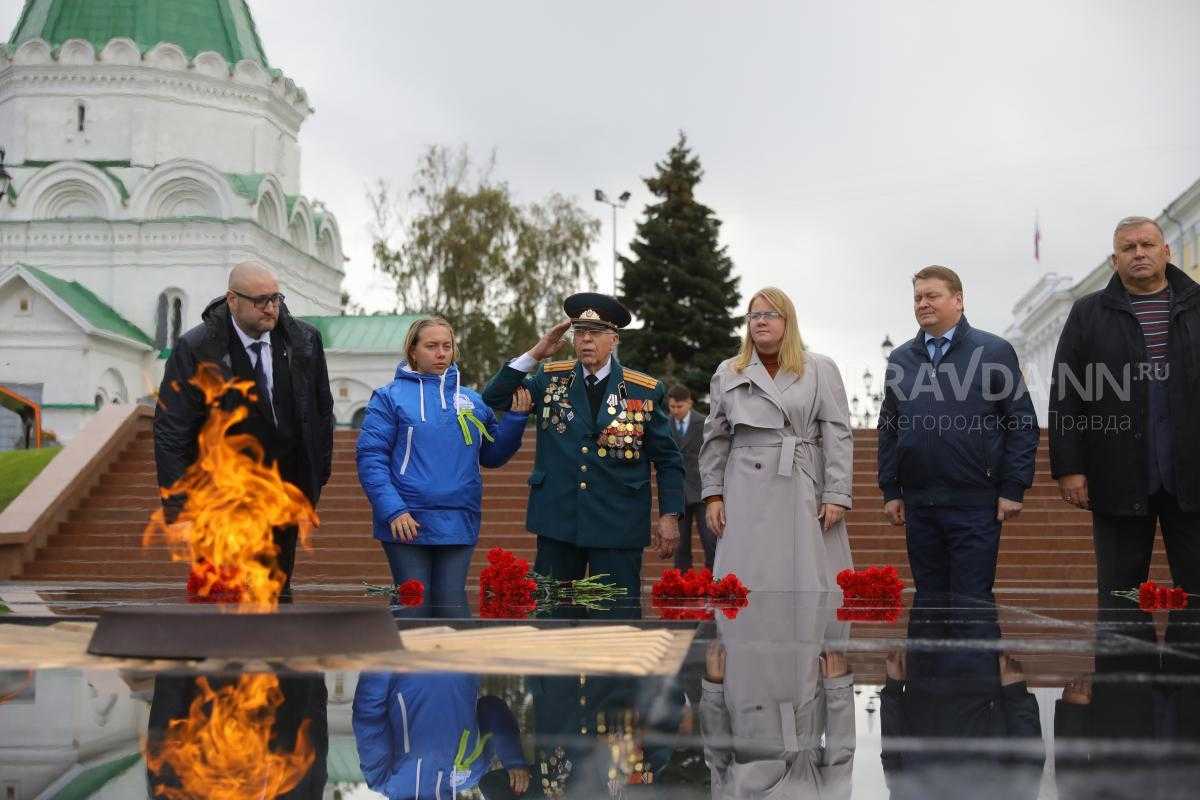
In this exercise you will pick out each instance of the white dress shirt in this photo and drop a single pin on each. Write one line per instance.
(266, 355)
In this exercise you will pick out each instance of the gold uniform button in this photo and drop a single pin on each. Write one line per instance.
(583, 449)
(582, 485)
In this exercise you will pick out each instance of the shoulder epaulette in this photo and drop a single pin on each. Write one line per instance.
(640, 378)
(559, 366)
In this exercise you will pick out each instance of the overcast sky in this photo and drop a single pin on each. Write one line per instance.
(845, 144)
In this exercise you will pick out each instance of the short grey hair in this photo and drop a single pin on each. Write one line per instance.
(1137, 222)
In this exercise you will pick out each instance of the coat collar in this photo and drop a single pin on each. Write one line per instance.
(1182, 288)
(578, 393)
(961, 332)
(772, 387)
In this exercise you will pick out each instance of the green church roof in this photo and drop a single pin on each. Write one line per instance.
(380, 333)
(98, 313)
(223, 26)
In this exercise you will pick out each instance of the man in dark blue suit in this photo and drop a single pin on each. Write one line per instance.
(957, 440)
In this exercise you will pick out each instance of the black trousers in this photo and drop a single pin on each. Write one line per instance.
(1124, 545)
(285, 540)
(621, 565)
(683, 553)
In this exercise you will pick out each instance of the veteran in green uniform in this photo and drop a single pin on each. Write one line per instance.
(599, 428)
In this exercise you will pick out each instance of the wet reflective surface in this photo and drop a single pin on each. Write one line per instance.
(1033, 695)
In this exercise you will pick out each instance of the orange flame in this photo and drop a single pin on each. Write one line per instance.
(233, 503)
(221, 751)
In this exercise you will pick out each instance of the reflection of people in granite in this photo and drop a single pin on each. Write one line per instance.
(304, 701)
(605, 736)
(954, 714)
(1131, 730)
(430, 735)
(777, 711)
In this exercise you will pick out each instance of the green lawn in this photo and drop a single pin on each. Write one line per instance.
(18, 468)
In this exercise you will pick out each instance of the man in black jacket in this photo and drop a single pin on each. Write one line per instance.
(957, 439)
(249, 334)
(1124, 432)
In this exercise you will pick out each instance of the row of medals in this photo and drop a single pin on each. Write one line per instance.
(622, 437)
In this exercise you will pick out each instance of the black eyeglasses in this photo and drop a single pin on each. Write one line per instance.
(263, 300)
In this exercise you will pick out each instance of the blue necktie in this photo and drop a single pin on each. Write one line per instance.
(939, 347)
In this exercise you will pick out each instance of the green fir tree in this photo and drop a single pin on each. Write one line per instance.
(680, 283)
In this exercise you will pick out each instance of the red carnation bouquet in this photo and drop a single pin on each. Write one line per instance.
(870, 595)
(509, 589)
(410, 593)
(1150, 596)
(696, 595)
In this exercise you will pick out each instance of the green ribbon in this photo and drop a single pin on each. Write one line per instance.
(462, 761)
(465, 416)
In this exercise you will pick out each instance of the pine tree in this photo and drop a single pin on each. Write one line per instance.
(681, 283)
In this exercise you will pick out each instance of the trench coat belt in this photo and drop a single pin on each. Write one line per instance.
(785, 440)
(794, 729)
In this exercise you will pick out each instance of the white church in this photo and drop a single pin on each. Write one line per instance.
(149, 147)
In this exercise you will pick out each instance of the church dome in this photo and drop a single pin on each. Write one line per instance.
(222, 26)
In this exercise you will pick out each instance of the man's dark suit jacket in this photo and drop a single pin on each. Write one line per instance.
(689, 446)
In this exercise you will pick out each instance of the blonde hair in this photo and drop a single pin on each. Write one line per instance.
(413, 336)
(791, 349)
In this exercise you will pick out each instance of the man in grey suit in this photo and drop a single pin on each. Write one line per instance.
(687, 429)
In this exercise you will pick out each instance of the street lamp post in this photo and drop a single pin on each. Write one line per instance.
(872, 395)
(620, 202)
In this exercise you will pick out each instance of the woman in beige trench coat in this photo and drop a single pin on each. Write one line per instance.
(776, 465)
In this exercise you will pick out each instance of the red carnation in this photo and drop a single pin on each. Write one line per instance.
(411, 592)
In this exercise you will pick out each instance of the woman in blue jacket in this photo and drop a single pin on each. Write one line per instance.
(431, 736)
(419, 451)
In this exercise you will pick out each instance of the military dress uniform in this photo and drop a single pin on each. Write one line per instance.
(589, 492)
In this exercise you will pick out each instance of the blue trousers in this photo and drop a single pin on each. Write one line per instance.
(442, 568)
(953, 549)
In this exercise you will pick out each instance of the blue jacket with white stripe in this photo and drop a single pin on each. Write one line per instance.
(413, 456)
(409, 728)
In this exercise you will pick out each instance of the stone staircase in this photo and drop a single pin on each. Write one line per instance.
(1049, 547)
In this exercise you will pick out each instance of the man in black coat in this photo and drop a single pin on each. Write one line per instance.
(249, 334)
(1124, 432)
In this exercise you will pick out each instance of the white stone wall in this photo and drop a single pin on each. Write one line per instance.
(127, 264)
(354, 376)
(156, 213)
(72, 717)
(42, 344)
(149, 109)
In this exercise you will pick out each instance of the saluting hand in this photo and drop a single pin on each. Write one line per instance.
(549, 344)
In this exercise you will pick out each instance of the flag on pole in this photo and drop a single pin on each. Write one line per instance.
(1037, 239)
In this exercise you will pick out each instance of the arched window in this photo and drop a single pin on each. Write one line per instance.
(160, 322)
(176, 319)
(168, 318)
(98, 401)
